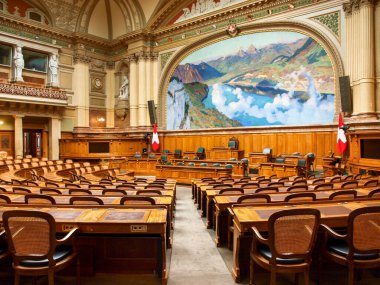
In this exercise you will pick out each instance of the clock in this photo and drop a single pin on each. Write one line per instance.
(98, 84)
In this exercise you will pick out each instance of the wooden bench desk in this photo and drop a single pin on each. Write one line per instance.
(122, 240)
(333, 214)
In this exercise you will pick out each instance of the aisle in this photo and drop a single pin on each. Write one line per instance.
(195, 258)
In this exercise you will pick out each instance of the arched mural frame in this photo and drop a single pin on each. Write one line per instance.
(288, 26)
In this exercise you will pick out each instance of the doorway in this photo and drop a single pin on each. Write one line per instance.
(32, 142)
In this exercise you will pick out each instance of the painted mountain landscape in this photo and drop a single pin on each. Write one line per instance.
(262, 79)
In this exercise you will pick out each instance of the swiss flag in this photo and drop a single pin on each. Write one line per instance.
(155, 141)
(341, 138)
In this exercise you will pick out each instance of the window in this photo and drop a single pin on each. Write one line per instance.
(34, 60)
(5, 54)
(35, 17)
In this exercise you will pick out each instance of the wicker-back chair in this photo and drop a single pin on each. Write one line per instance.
(149, 192)
(343, 195)
(301, 197)
(31, 238)
(360, 247)
(288, 248)
(85, 200)
(137, 200)
(39, 199)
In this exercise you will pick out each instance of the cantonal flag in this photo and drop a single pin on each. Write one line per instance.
(155, 141)
(341, 138)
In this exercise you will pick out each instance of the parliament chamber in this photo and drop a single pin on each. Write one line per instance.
(173, 142)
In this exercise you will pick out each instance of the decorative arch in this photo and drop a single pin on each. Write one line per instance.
(286, 26)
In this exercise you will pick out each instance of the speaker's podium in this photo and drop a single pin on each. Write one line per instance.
(226, 153)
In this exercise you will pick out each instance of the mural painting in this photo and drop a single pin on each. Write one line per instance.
(261, 79)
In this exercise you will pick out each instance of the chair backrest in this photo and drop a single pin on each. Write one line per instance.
(324, 186)
(21, 190)
(85, 200)
(300, 182)
(30, 234)
(297, 188)
(335, 179)
(363, 231)
(250, 185)
(318, 181)
(254, 198)
(343, 195)
(374, 193)
(51, 184)
(233, 143)
(39, 199)
(71, 185)
(126, 186)
(267, 190)
(3, 190)
(349, 185)
(276, 184)
(4, 199)
(154, 186)
(149, 192)
(137, 200)
(292, 233)
(96, 186)
(114, 192)
(229, 191)
(47, 190)
(79, 192)
(371, 183)
(221, 186)
(300, 197)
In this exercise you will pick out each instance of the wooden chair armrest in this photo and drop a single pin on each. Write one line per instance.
(258, 236)
(330, 232)
(69, 236)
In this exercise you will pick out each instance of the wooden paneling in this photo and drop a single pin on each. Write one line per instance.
(319, 143)
(7, 142)
(79, 148)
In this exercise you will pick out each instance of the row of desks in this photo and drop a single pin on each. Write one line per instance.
(114, 240)
(333, 214)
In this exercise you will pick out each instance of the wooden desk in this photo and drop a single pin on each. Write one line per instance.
(115, 240)
(332, 214)
(279, 169)
(186, 174)
(224, 153)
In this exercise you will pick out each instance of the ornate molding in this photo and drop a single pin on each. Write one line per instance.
(81, 58)
(355, 5)
(131, 58)
(165, 58)
(48, 93)
(331, 21)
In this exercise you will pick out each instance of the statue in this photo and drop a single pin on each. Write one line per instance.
(53, 70)
(124, 89)
(18, 64)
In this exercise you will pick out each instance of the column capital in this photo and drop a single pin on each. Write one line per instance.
(82, 58)
(354, 5)
(131, 58)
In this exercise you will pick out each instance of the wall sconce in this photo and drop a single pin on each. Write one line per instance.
(1, 122)
(101, 119)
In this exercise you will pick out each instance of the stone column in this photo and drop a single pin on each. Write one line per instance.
(360, 56)
(110, 91)
(142, 102)
(19, 136)
(149, 84)
(133, 90)
(81, 88)
(54, 136)
(155, 83)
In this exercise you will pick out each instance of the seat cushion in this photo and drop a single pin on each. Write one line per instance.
(340, 247)
(266, 253)
(61, 253)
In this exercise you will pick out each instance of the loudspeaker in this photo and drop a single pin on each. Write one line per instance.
(152, 112)
(345, 94)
